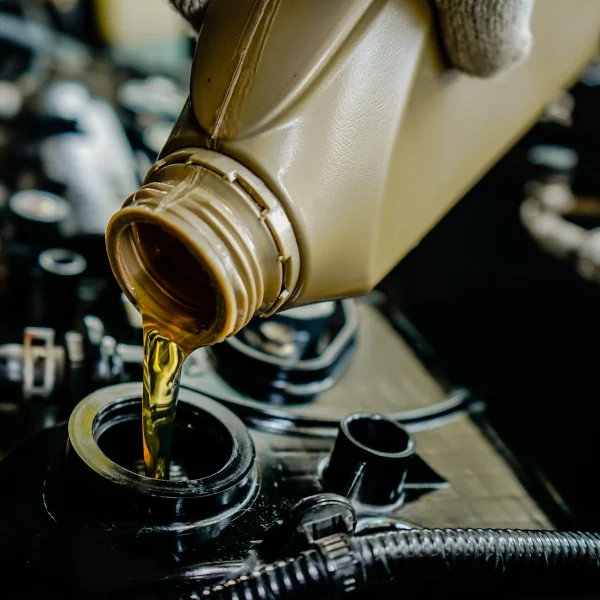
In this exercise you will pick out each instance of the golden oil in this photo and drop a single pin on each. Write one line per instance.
(163, 360)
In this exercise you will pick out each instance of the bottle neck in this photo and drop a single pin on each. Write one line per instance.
(202, 248)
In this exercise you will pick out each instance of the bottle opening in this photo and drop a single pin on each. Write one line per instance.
(169, 284)
(173, 268)
(200, 256)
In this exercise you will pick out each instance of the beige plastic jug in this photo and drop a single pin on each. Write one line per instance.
(321, 141)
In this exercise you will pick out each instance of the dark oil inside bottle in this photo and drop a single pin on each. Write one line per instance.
(171, 265)
(163, 359)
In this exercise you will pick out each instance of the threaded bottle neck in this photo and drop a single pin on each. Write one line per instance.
(194, 251)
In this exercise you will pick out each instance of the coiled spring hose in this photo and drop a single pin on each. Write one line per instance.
(341, 564)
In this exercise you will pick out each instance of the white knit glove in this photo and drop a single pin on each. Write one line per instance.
(192, 10)
(486, 37)
(482, 37)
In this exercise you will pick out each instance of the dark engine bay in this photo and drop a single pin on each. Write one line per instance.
(348, 447)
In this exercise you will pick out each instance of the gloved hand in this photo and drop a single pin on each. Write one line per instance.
(192, 10)
(486, 37)
(481, 37)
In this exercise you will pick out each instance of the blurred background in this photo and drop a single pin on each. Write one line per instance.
(89, 91)
(501, 298)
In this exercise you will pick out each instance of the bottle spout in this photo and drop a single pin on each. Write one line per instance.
(194, 251)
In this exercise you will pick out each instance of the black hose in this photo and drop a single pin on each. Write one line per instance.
(480, 552)
(304, 576)
(342, 564)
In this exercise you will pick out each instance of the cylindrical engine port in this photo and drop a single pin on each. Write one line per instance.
(212, 475)
(369, 460)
